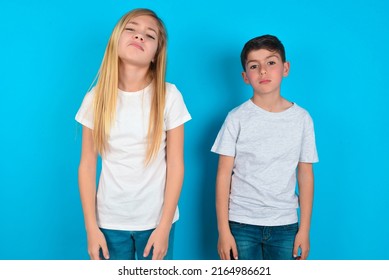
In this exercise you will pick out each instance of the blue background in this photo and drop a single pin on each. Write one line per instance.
(51, 51)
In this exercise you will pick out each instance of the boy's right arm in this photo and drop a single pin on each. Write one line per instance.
(226, 242)
(87, 186)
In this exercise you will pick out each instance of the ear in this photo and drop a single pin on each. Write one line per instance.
(245, 79)
(286, 68)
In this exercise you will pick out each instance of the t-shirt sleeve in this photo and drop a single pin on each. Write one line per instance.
(225, 143)
(308, 145)
(85, 114)
(176, 112)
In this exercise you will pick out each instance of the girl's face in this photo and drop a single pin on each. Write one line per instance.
(138, 42)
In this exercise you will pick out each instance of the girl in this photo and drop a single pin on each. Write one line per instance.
(134, 120)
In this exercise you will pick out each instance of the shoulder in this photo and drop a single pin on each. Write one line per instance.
(171, 89)
(88, 98)
(172, 92)
(302, 113)
(240, 110)
(236, 116)
(85, 112)
(300, 110)
(176, 112)
(174, 98)
(90, 94)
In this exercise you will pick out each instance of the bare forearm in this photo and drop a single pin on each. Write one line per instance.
(87, 187)
(305, 211)
(223, 186)
(174, 174)
(306, 182)
(174, 179)
(222, 201)
(87, 178)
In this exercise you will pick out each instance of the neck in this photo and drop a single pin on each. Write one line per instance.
(133, 78)
(271, 103)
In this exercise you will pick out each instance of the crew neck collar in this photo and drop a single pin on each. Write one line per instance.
(263, 111)
(141, 91)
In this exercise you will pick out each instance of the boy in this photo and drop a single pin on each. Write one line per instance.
(261, 145)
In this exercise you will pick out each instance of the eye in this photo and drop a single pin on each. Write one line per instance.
(150, 36)
(253, 67)
(271, 62)
(130, 29)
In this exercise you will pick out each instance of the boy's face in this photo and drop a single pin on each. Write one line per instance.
(264, 71)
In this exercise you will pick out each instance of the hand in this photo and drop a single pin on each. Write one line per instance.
(225, 245)
(159, 241)
(301, 241)
(96, 240)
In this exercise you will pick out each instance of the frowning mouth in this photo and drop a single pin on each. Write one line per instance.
(139, 47)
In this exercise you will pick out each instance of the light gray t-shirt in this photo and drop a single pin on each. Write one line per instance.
(267, 148)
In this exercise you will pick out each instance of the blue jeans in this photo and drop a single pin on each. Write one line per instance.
(129, 245)
(264, 242)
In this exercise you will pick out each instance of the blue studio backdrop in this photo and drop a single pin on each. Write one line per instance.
(51, 52)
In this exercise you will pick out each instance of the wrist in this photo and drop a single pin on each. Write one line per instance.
(165, 225)
(224, 229)
(90, 227)
(304, 229)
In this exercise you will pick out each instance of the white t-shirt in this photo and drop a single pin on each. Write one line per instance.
(130, 195)
(267, 148)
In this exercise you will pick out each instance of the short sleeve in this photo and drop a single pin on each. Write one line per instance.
(225, 143)
(85, 114)
(176, 112)
(308, 146)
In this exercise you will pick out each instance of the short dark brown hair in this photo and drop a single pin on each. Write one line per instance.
(267, 42)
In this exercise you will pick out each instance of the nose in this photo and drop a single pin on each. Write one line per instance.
(139, 37)
(262, 71)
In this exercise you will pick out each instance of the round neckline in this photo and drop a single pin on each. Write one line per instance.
(132, 93)
(286, 111)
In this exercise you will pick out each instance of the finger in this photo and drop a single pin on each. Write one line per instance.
(222, 255)
(220, 252)
(94, 254)
(295, 250)
(226, 254)
(158, 255)
(104, 249)
(147, 249)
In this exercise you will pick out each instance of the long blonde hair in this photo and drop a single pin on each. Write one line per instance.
(106, 89)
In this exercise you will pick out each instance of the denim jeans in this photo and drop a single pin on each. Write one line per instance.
(264, 242)
(129, 245)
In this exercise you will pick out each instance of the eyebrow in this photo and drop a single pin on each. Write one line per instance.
(270, 56)
(149, 28)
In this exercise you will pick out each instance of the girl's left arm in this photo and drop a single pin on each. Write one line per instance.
(305, 185)
(159, 239)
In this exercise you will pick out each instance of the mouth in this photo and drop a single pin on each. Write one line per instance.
(139, 47)
(264, 82)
